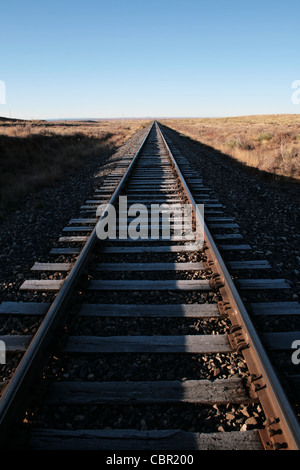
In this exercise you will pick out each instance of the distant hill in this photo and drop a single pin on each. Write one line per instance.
(5, 119)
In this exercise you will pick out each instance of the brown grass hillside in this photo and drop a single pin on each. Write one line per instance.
(270, 143)
(40, 153)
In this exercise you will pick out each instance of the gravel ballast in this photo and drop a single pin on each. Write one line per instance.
(28, 232)
(239, 200)
(268, 215)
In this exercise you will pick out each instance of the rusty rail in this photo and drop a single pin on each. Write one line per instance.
(282, 429)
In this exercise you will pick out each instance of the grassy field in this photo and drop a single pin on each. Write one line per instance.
(270, 143)
(41, 153)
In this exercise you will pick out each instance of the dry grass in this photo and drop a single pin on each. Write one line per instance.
(270, 143)
(38, 153)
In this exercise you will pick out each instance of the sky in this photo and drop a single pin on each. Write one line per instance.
(161, 58)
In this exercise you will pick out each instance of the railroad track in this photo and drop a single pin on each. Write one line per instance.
(146, 343)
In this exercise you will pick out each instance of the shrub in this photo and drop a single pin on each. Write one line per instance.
(264, 137)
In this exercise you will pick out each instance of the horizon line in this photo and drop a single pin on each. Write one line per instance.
(142, 117)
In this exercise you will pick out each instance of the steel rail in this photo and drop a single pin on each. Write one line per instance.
(28, 365)
(283, 429)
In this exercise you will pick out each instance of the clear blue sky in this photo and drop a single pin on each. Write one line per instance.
(131, 58)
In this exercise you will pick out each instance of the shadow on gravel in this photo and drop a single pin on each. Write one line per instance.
(291, 186)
